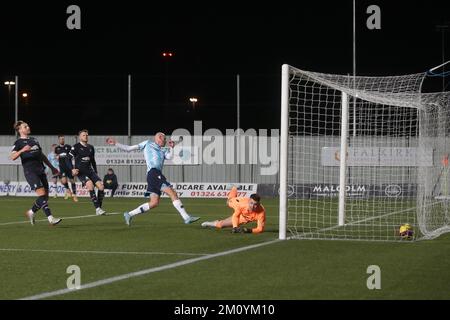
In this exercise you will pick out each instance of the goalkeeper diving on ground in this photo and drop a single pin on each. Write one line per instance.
(246, 210)
(155, 153)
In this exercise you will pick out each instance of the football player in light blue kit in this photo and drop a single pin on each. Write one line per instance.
(155, 153)
(52, 158)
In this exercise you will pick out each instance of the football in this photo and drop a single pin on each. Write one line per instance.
(406, 231)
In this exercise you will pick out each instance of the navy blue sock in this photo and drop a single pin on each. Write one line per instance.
(38, 203)
(74, 189)
(46, 209)
(94, 198)
(101, 195)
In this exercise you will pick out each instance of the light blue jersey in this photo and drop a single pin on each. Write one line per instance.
(52, 158)
(154, 155)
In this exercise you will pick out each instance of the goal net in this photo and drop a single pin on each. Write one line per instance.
(363, 156)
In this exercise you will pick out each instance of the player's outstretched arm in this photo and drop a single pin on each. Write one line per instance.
(261, 223)
(15, 154)
(235, 221)
(93, 162)
(113, 142)
(71, 164)
(169, 153)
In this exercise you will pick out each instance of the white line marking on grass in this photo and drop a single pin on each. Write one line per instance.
(114, 213)
(139, 200)
(147, 271)
(64, 218)
(105, 252)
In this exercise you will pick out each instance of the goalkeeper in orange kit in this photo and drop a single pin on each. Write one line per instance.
(245, 210)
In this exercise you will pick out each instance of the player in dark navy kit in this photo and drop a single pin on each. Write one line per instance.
(62, 154)
(30, 152)
(85, 168)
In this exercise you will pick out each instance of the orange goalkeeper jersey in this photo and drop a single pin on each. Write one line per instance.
(242, 214)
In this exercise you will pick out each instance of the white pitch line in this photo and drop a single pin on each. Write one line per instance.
(146, 271)
(64, 218)
(146, 200)
(94, 215)
(105, 252)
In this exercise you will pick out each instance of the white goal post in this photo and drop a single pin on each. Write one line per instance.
(362, 156)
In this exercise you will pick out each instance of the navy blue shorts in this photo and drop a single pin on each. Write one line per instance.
(36, 180)
(156, 182)
(86, 176)
(65, 172)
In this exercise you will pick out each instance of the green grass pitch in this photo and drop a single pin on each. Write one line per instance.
(34, 260)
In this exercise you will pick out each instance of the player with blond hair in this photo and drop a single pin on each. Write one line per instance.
(30, 153)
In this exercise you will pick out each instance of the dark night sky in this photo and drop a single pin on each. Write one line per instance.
(78, 78)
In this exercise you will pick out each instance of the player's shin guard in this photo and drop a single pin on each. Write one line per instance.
(39, 203)
(101, 195)
(140, 209)
(94, 199)
(180, 208)
(46, 209)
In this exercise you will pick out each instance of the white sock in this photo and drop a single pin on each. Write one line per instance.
(50, 218)
(179, 206)
(140, 209)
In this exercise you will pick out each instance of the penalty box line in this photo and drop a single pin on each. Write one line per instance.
(126, 276)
